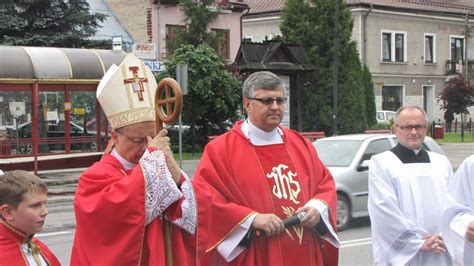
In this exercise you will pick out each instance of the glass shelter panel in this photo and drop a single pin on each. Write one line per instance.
(51, 117)
(15, 116)
(83, 127)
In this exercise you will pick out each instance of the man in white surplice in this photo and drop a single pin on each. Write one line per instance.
(458, 217)
(407, 191)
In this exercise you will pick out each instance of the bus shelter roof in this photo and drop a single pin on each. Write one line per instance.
(22, 64)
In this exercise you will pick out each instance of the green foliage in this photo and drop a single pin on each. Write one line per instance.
(52, 23)
(368, 85)
(380, 126)
(213, 98)
(456, 138)
(312, 25)
(198, 16)
(457, 96)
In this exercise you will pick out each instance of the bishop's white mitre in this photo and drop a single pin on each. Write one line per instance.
(126, 93)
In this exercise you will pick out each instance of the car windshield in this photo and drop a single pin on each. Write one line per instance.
(337, 153)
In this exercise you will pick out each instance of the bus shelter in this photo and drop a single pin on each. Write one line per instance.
(49, 115)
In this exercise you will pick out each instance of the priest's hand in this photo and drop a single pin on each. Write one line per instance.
(162, 142)
(470, 231)
(269, 223)
(433, 243)
(312, 217)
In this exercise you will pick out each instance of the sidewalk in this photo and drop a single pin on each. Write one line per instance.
(62, 183)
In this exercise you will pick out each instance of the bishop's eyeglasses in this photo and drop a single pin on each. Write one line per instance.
(138, 141)
(269, 101)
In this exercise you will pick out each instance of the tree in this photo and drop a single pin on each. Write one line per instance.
(198, 16)
(213, 98)
(368, 85)
(457, 96)
(311, 24)
(51, 23)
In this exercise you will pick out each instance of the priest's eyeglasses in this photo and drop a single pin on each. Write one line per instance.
(269, 101)
(409, 128)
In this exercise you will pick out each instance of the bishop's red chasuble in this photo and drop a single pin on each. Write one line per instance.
(245, 179)
(11, 252)
(108, 235)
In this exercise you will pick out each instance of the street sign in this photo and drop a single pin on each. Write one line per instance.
(182, 77)
(145, 51)
(154, 66)
(17, 108)
(117, 43)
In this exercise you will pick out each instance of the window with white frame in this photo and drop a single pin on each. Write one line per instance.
(430, 48)
(394, 46)
(457, 48)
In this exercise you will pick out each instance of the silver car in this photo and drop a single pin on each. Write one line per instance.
(347, 158)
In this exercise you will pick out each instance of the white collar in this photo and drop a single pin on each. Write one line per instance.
(260, 137)
(125, 163)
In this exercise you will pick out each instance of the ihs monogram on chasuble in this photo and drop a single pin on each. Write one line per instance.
(286, 188)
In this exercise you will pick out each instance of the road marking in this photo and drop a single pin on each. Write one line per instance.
(55, 233)
(356, 242)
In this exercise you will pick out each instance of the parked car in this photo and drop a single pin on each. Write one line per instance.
(347, 158)
(53, 130)
(384, 116)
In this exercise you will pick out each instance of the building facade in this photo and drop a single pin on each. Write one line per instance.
(411, 47)
(156, 21)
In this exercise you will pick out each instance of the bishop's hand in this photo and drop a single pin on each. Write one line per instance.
(162, 142)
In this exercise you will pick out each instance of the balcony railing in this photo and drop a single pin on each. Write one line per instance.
(458, 67)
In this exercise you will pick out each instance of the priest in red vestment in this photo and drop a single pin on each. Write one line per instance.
(122, 201)
(258, 175)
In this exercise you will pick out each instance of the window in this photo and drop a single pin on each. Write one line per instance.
(222, 42)
(387, 47)
(457, 48)
(376, 147)
(171, 34)
(394, 46)
(430, 48)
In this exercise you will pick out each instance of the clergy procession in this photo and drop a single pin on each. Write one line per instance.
(260, 194)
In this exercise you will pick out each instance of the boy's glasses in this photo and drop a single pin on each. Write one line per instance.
(269, 101)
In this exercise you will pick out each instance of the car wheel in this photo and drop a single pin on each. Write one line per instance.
(343, 212)
(25, 148)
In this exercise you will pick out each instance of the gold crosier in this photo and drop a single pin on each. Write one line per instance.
(168, 106)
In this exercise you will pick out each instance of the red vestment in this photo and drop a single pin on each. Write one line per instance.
(110, 220)
(11, 252)
(239, 176)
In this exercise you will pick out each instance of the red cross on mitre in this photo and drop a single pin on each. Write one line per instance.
(136, 82)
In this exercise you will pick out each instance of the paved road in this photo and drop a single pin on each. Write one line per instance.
(60, 225)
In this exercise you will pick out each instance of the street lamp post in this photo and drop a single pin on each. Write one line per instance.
(336, 68)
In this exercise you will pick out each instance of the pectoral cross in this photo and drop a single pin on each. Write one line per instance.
(136, 82)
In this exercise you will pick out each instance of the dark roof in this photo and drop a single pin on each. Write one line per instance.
(442, 6)
(264, 6)
(436, 6)
(273, 56)
(54, 64)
